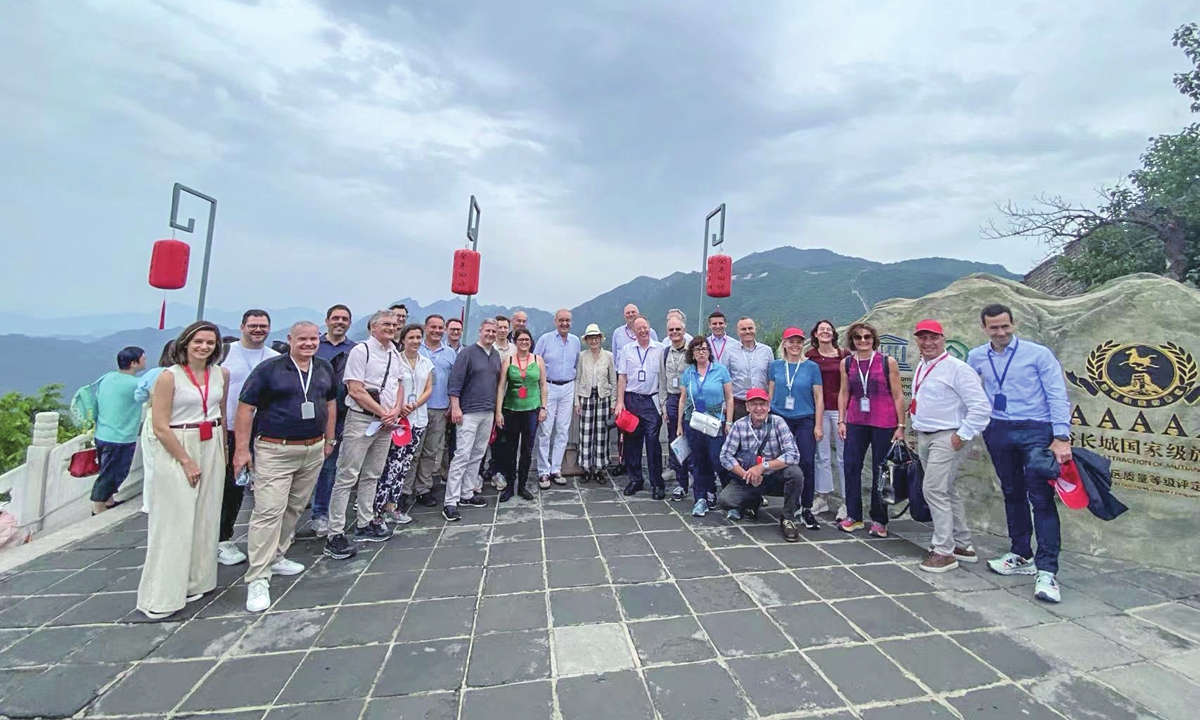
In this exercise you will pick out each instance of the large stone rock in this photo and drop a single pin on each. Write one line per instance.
(1131, 352)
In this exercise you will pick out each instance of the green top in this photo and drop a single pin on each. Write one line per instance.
(120, 414)
(533, 390)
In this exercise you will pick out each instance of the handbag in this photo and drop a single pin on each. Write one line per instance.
(84, 463)
(707, 424)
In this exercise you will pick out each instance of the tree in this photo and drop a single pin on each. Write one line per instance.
(1148, 223)
(16, 422)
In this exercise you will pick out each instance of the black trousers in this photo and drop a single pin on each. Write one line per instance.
(741, 495)
(231, 501)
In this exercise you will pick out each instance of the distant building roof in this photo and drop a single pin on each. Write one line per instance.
(1049, 278)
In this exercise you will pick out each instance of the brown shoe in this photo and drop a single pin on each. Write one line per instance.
(936, 562)
(790, 532)
(966, 554)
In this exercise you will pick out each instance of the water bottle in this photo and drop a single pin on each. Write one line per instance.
(243, 478)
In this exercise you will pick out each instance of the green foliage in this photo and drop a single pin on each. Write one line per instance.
(16, 422)
(1111, 252)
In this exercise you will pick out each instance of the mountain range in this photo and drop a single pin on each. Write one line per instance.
(779, 287)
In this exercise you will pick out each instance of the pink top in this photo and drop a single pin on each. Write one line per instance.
(883, 407)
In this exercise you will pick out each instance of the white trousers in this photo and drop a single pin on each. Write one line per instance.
(472, 443)
(825, 472)
(552, 434)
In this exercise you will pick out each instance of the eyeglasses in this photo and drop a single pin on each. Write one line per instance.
(678, 330)
(388, 324)
(864, 337)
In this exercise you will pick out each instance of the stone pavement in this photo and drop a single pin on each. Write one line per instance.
(583, 605)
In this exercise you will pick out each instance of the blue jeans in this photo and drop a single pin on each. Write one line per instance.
(1010, 443)
(806, 443)
(324, 487)
(646, 435)
(704, 461)
(681, 469)
(860, 438)
(115, 459)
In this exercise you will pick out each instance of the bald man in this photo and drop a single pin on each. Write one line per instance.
(624, 334)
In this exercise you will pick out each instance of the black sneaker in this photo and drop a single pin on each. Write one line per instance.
(451, 513)
(373, 532)
(339, 548)
(474, 501)
(525, 493)
(405, 504)
(810, 522)
(427, 500)
(750, 513)
(658, 493)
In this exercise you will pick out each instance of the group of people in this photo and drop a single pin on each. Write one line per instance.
(329, 416)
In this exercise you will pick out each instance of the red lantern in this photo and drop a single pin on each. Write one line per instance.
(465, 278)
(169, 264)
(720, 276)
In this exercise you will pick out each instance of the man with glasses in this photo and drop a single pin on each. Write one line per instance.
(454, 332)
(637, 390)
(474, 382)
(400, 310)
(334, 349)
(560, 352)
(674, 363)
(748, 363)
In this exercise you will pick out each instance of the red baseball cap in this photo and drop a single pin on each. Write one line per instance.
(930, 326)
(793, 332)
(757, 394)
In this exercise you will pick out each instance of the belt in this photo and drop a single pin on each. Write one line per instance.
(560, 382)
(284, 441)
(645, 395)
(195, 426)
(361, 412)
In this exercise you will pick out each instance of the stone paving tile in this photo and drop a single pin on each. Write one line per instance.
(777, 588)
(835, 583)
(707, 595)
(576, 573)
(1186, 664)
(47, 646)
(626, 570)
(361, 624)
(459, 582)
(1001, 703)
(334, 674)
(398, 585)
(1179, 618)
(244, 682)
(893, 579)
(1014, 656)
(641, 602)
(673, 541)
(1146, 639)
(783, 684)
(744, 632)
(278, 632)
(672, 640)
(591, 649)
(1162, 582)
(943, 615)
(505, 658)
(60, 691)
(515, 553)
(1111, 591)
(439, 706)
(881, 617)
(423, 667)
(1162, 691)
(1079, 696)
(152, 688)
(854, 552)
(921, 710)
(630, 544)
(203, 638)
(813, 625)
(704, 691)
(748, 559)
(336, 710)
(572, 548)
(939, 663)
(686, 565)
(579, 606)
(124, 643)
(512, 612)
(864, 675)
(37, 611)
(1004, 609)
(1079, 647)
(802, 555)
(527, 701)
(432, 619)
(615, 525)
(610, 696)
(466, 556)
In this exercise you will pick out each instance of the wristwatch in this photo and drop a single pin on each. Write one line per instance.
(332, 443)
(1064, 438)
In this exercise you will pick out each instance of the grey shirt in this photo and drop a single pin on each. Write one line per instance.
(475, 379)
(747, 368)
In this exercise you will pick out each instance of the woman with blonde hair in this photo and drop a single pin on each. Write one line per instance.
(187, 410)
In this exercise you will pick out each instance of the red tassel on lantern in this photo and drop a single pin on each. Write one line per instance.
(465, 278)
(162, 315)
(720, 276)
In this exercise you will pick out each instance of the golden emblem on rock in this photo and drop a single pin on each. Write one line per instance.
(1141, 375)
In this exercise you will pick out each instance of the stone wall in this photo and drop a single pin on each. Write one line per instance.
(1131, 352)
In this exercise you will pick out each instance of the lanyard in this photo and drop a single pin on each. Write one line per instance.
(787, 366)
(928, 369)
(203, 391)
(703, 380)
(304, 384)
(718, 353)
(412, 372)
(1000, 378)
(520, 367)
(864, 376)
(641, 357)
(629, 333)
(676, 358)
(758, 439)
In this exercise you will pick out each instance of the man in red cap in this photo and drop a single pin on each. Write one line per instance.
(760, 452)
(948, 409)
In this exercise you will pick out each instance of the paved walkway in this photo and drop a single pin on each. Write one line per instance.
(582, 605)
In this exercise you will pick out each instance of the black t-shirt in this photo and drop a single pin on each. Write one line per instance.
(274, 388)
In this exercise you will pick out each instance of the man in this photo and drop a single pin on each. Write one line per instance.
(334, 349)
(948, 410)
(474, 382)
(718, 341)
(677, 313)
(1030, 411)
(503, 344)
(637, 391)
(419, 483)
(560, 352)
(118, 419)
(294, 399)
(454, 331)
(674, 363)
(748, 364)
(507, 349)
(241, 358)
(400, 310)
(761, 454)
(520, 321)
(372, 380)
(624, 334)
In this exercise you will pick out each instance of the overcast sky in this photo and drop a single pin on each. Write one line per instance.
(343, 138)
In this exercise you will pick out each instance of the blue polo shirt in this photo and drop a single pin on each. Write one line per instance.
(328, 351)
(443, 362)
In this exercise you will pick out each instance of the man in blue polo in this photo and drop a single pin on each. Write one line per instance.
(1030, 411)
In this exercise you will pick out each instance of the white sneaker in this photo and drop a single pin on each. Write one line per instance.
(842, 513)
(283, 566)
(820, 505)
(1046, 587)
(258, 596)
(1012, 564)
(321, 526)
(499, 482)
(229, 554)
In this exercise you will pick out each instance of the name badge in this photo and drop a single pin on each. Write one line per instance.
(641, 376)
(308, 411)
(522, 393)
(789, 403)
(412, 399)
(864, 404)
(674, 383)
(1000, 402)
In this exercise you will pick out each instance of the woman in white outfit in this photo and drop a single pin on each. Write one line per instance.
(189, 475)
(828, 356)
(148, 444)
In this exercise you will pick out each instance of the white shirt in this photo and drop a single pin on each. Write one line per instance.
(239, 362)
(368, 363)
(634, 361)
(507, 351)
(747, 368)
(949, 397)
(623, 336)
(718, 346)
(413, 381)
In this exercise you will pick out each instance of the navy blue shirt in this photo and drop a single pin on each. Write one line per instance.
(274, 388)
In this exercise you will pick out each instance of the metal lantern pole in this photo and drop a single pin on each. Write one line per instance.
(191, 226)
(473, 214)
(717, 239)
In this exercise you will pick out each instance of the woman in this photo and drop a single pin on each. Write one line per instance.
(828, 356)
(416, 385)
(705, 387)
(189, 475)
(871, 412)
(520, 406)
(794, 385)
(147, 442)
(594, 383)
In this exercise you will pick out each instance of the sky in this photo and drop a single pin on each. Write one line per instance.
(344, 138)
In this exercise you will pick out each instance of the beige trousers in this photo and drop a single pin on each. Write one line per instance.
(941, 462)
(428, 460)
(360, 462)
(181, 552)
(284, 476)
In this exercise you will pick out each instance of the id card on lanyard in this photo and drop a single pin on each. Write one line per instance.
(1000, 401)
(308, 411)
(919, 379)
(789, 402)
(864, 402)
(641, 376)
(206, 426)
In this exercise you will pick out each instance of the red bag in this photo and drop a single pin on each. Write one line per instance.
(84, 463)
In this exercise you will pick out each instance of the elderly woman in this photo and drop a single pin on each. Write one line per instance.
(705, 388)
(189, 474)
(594, 386)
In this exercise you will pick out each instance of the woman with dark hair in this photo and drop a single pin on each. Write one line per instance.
(416, 385)
(706, 388)
(828, 357)
(871, 412)
(185, 509)
(149, 443)
(520, 406)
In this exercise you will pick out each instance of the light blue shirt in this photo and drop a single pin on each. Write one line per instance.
(623, 336)
(443, 362)
(1034, 387)
(560, 355)
(710, 394)
(146, 384)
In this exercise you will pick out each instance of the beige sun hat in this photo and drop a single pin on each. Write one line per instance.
(592, 329)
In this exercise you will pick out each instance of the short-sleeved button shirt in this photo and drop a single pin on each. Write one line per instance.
(275, 389)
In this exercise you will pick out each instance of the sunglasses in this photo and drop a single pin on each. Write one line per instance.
(864, 337)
